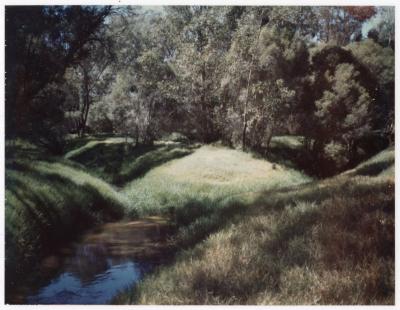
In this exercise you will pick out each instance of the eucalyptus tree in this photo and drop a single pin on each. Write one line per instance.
(345, 93)
(383, 26)
(202, 40)
(263, 64)
(94, 75)
(140, 71)
(379, 61)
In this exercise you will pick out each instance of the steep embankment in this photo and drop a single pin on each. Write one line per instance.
(325, 242)
(48, 202)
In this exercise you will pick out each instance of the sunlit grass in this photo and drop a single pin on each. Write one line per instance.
(211, 174)
(292, 142)
(118, 162)
(92, 143)
(201, 192)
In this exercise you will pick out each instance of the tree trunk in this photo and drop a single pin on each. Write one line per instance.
(268, 140)
(244, 142)
(137, 136)
(245, 108)
(204, 110)
(85, 118)
(86, 103)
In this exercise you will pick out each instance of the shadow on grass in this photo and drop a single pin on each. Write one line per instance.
(290, 157)
(198, 218)
(374, 169)
(348, 213)
(120, 163)
(149, 160)
(75, 143)
(337, 230)
(190, 225)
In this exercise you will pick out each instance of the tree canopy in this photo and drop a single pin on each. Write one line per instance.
(236, 74)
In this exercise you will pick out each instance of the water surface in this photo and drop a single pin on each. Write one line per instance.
(106, 261)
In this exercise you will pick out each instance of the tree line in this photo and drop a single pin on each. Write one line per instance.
(238, 74)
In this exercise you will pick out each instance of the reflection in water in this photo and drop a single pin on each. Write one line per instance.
(115, 256)
(89, 261)
(68, 288)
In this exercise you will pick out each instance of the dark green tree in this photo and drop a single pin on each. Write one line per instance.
(41, 43)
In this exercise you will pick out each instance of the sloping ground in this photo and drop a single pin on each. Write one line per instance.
(48, 202)
(93, 143)
(201, 192)
(117, 162)
(380, 164)
(51, 200)
(197, 192)
(209, 173)
(325, 242)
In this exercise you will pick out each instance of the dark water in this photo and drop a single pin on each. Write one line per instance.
(106, 261)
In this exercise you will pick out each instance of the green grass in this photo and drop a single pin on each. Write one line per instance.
(211, 174)
(380, 164)
(51, 200)
(74, 142)
(118, 162)
(324, 242)
(202, 192)
(287, 142)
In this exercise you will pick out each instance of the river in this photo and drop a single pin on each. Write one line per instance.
(105, 261)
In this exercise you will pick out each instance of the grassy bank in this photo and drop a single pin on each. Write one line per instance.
(198, 189)
(325, 242)
(201, 191)
(51, 202)
(48, 202)
(118, 162)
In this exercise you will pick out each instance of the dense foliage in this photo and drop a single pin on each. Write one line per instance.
(237, 74)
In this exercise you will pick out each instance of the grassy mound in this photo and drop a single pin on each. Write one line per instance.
(48, 202)
(326, 242)
(380, 164)
(201, 192)
(118, 162)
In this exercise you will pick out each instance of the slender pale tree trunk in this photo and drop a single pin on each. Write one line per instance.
(247, 94)
(86, 103)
